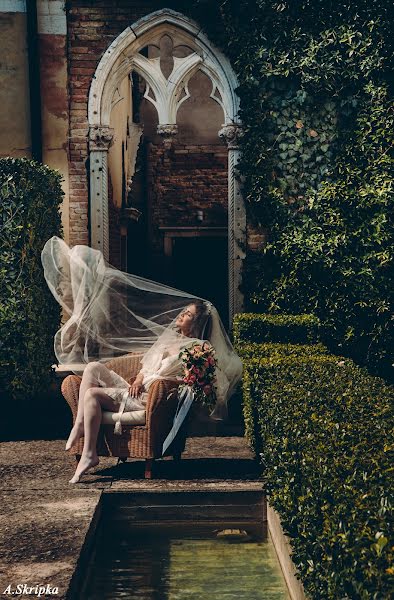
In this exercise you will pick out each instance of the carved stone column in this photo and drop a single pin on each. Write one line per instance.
(100, 140)
(236, 220)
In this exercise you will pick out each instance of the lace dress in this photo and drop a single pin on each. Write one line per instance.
(169, 367)
(160, 362)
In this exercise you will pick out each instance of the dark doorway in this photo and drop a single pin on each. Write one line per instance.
(199, 266)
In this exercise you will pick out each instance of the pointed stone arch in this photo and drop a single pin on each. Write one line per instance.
(124, 56)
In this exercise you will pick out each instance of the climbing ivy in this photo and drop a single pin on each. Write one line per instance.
(300, 137)
(335, 255)
(313, 76)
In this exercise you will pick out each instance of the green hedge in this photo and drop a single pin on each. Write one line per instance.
(324, 428)
(270, 350)
(261, 369)
(285, 329)
(30, 197)
(253, 354)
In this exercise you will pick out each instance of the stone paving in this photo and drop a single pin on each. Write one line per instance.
(44, 519)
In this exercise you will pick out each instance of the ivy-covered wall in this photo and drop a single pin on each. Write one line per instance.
(316, 105)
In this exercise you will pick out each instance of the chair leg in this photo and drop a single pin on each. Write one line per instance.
(148, 468)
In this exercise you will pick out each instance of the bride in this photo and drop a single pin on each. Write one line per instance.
(111, 313)
(161, 361)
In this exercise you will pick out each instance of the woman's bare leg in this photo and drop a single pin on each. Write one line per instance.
(95, 399)
(94, 375)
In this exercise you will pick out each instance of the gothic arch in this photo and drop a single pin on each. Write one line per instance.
(122, 57)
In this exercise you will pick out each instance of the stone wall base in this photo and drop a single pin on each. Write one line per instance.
(283, 551)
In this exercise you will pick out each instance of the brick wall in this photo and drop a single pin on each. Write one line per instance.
(92, 27)
(183, 179)
(257, 238)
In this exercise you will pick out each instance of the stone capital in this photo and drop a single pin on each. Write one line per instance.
(101, 138)
(167, 131)
(231, 134)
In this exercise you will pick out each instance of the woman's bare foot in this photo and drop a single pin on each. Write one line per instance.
(75, 434)
(85, 463)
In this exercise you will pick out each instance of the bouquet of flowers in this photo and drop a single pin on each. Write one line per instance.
(199, 365)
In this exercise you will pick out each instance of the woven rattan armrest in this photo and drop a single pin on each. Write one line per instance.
(161, 397)
(158, 404)
(161, 407)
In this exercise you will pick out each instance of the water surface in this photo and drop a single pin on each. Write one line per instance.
(181, 562)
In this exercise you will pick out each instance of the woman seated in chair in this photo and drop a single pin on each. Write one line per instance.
(111, 314)
(97, 391)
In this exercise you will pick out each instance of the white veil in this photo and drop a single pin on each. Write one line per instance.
(112, 313)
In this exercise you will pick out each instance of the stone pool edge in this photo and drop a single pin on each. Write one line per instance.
(280, 541)
(283, 551)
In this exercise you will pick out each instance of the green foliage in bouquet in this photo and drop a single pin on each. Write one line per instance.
(30, 197)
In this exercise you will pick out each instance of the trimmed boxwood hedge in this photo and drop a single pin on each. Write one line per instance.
(324, 428)
(273, 350)
(259, 369)
(290, 329)
(30, 198)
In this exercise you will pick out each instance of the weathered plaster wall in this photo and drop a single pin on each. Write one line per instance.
(121, 115)
(200, 117)
(15, 137)
(16, 112)
(118, 153)
(91, 29)
(52, 29)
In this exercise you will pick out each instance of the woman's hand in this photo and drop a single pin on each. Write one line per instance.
(136, 388)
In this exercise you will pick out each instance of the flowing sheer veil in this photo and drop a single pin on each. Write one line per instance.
(110, 313)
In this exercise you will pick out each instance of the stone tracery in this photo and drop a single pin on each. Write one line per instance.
(166, 49)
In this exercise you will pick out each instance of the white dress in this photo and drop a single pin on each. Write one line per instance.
(169, 369)
(160, 362)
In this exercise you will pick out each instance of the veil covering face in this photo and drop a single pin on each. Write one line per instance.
(110, 313)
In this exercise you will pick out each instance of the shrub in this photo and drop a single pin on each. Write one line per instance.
(259, 370)
(249, 351)
(292, 329)
(324, 428)
(336, 255)
(30, 196)
(315, 84)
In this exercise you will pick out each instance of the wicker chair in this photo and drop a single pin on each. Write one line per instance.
(144, 438)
